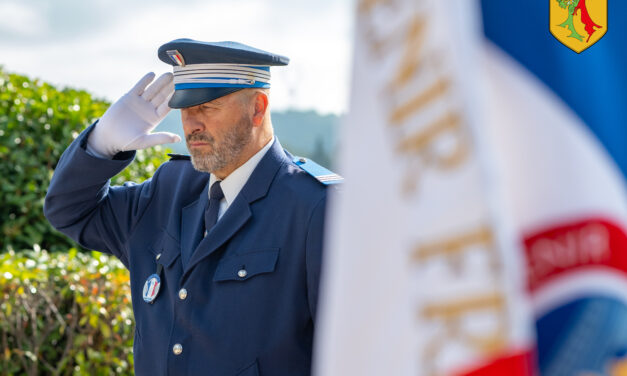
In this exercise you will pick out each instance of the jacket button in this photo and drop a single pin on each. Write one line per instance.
(182, 294)
(177, 349)
(242, 273)
(158, 256)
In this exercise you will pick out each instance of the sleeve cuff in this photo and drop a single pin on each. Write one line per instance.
(91, 151)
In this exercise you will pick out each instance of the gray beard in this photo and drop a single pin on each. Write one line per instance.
(224, 153)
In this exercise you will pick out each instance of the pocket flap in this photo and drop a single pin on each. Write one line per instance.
(167, 249)
(246, 265)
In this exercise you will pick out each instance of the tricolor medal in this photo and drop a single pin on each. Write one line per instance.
(151, 288)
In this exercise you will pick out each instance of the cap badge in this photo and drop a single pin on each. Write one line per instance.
(176, 56)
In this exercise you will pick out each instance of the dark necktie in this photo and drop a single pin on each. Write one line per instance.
(211, 213)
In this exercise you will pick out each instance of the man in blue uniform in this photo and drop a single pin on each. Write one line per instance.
(224, 248)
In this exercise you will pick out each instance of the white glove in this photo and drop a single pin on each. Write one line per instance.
(126, 125)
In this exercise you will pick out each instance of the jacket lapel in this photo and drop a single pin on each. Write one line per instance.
(192, 225)
(239, 211)
(232, 220)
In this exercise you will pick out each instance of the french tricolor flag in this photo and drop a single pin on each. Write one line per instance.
(560, 119)
(482, 225)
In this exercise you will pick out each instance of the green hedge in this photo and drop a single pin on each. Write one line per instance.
(63, 311)
(64, 314)
(37, 123)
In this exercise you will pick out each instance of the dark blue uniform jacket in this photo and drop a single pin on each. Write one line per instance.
(257, 325)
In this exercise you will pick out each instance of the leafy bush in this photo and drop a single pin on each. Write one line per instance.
(64, 314)
(37, 123)
(60, 313)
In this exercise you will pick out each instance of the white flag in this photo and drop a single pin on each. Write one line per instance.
(423, 275)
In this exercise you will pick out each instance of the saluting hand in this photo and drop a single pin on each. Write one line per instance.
(126, 125)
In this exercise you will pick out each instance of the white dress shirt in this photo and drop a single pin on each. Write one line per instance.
(233, 184)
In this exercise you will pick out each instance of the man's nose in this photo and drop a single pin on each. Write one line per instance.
(196, 128)
(190, 123)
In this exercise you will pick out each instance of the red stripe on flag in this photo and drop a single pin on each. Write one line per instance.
(563, 249)
(512, 364)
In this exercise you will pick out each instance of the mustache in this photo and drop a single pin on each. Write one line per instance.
(199, 137)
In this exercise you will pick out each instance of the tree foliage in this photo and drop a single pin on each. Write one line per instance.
(37, 122)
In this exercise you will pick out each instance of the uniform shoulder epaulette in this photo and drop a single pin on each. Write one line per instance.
(322, 174)
(176, 157)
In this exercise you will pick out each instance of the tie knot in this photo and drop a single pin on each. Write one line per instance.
(215, 193)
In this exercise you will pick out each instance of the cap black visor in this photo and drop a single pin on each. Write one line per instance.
(193, 97)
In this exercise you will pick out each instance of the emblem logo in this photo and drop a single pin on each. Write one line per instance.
(151, 288)
(578, 24)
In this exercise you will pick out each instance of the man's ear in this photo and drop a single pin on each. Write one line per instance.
(261, 106)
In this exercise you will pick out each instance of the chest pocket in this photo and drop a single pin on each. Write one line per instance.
(246, 265)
